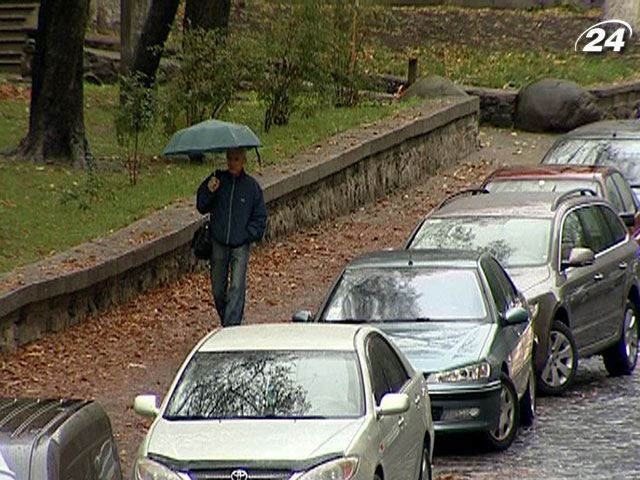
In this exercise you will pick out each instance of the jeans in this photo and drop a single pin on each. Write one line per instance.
(229, 293)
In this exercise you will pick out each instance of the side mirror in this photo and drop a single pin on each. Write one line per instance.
(302, 316)
(579, 257)
(516, 315)
(146, 405)
(393, 404)
(629, 219)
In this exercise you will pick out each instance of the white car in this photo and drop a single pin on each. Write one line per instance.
(290, 402)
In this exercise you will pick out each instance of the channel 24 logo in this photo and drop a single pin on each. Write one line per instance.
(601, 40)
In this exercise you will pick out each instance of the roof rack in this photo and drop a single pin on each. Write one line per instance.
(571, 193)
(466, 191)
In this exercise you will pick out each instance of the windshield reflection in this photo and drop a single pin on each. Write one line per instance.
(407, 294)
(267, 384)
(514, 242)
(623, 154)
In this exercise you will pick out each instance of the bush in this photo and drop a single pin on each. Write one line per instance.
(288, 57)
(135, 119)
(348, 29)
(212, 66)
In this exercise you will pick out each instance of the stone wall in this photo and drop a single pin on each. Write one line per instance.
(497, 107)
(338, 176)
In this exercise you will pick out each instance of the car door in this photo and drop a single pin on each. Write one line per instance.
(577, 284)
(619, 265)
(517, 342)
(606, 300)
(401, 434)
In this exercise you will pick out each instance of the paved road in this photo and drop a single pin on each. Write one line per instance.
(590, 433)
(593, 432)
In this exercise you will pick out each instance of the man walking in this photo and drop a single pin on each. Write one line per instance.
(238, 217)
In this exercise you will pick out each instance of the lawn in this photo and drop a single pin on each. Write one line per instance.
(47, 209)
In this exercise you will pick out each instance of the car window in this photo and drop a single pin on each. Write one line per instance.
(599, 237)
(394, 372)
(273, 384)
(514, 241)
(497, 293)
(628, 198)
(510, 292)
(613, 196)
(379, 383)
(573, 235)
(394, 294)
(617, 228)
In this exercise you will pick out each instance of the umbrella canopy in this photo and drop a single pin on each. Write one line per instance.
(211, 136)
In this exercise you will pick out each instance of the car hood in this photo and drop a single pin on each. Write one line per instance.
(527, 279)
(436, 346)
(289, 442)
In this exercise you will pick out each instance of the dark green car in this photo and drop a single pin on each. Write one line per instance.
(459, 319)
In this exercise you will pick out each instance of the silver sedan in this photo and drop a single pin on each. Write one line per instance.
(290, 402)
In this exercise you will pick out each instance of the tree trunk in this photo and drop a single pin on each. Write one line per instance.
(154, 34)
(207, 14)
(56, 120)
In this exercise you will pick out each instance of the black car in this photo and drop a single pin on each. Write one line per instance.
(56, 439)
(459, 319)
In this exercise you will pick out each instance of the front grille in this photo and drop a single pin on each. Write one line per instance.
(252, 474)
(436, 413)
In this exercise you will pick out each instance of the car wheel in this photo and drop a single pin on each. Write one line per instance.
(562, 361)
(503, 435)
(621, 358)
(425, 464)
(528, 401)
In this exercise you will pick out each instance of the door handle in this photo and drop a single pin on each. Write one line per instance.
(401, 422)
(622, 265)
(417, 399)
(598, 276)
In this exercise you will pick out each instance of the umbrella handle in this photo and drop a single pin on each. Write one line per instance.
(258, 154)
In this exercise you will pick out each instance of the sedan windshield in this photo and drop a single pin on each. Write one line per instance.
(559, 185)
(268, 384)
(515, 242)
(620, 153)
(406, 294)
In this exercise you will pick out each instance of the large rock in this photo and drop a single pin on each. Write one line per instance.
(433, 86)
(551, 105)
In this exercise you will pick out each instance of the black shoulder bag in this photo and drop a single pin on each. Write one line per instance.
(201, 242)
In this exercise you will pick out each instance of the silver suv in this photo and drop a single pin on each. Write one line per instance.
(573, 259)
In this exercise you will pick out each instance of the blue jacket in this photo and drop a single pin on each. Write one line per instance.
(237, 211)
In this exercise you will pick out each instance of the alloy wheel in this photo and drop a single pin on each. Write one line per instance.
(507, 415)
(631, 334)
(560, 361)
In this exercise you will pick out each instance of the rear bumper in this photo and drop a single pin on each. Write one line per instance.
(465, 408)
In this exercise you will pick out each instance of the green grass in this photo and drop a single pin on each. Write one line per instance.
(513, 69)
(47, 209)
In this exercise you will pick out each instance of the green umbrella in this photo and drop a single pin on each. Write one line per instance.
(211, 136)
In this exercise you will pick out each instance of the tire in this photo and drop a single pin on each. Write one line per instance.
(559, 371)
(528, 401)
(622, 358)
(376, 477)
(426, 470)
(502, 437)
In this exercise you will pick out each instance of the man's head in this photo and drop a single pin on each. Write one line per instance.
(236, 159)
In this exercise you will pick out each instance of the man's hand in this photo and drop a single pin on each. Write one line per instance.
(213, 184)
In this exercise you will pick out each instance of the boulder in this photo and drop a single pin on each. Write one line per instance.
(101, 67)
(433, 86)
(552, 105)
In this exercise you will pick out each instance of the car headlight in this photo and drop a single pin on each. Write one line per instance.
(147, 469)
(340, 469)
(471, 373)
